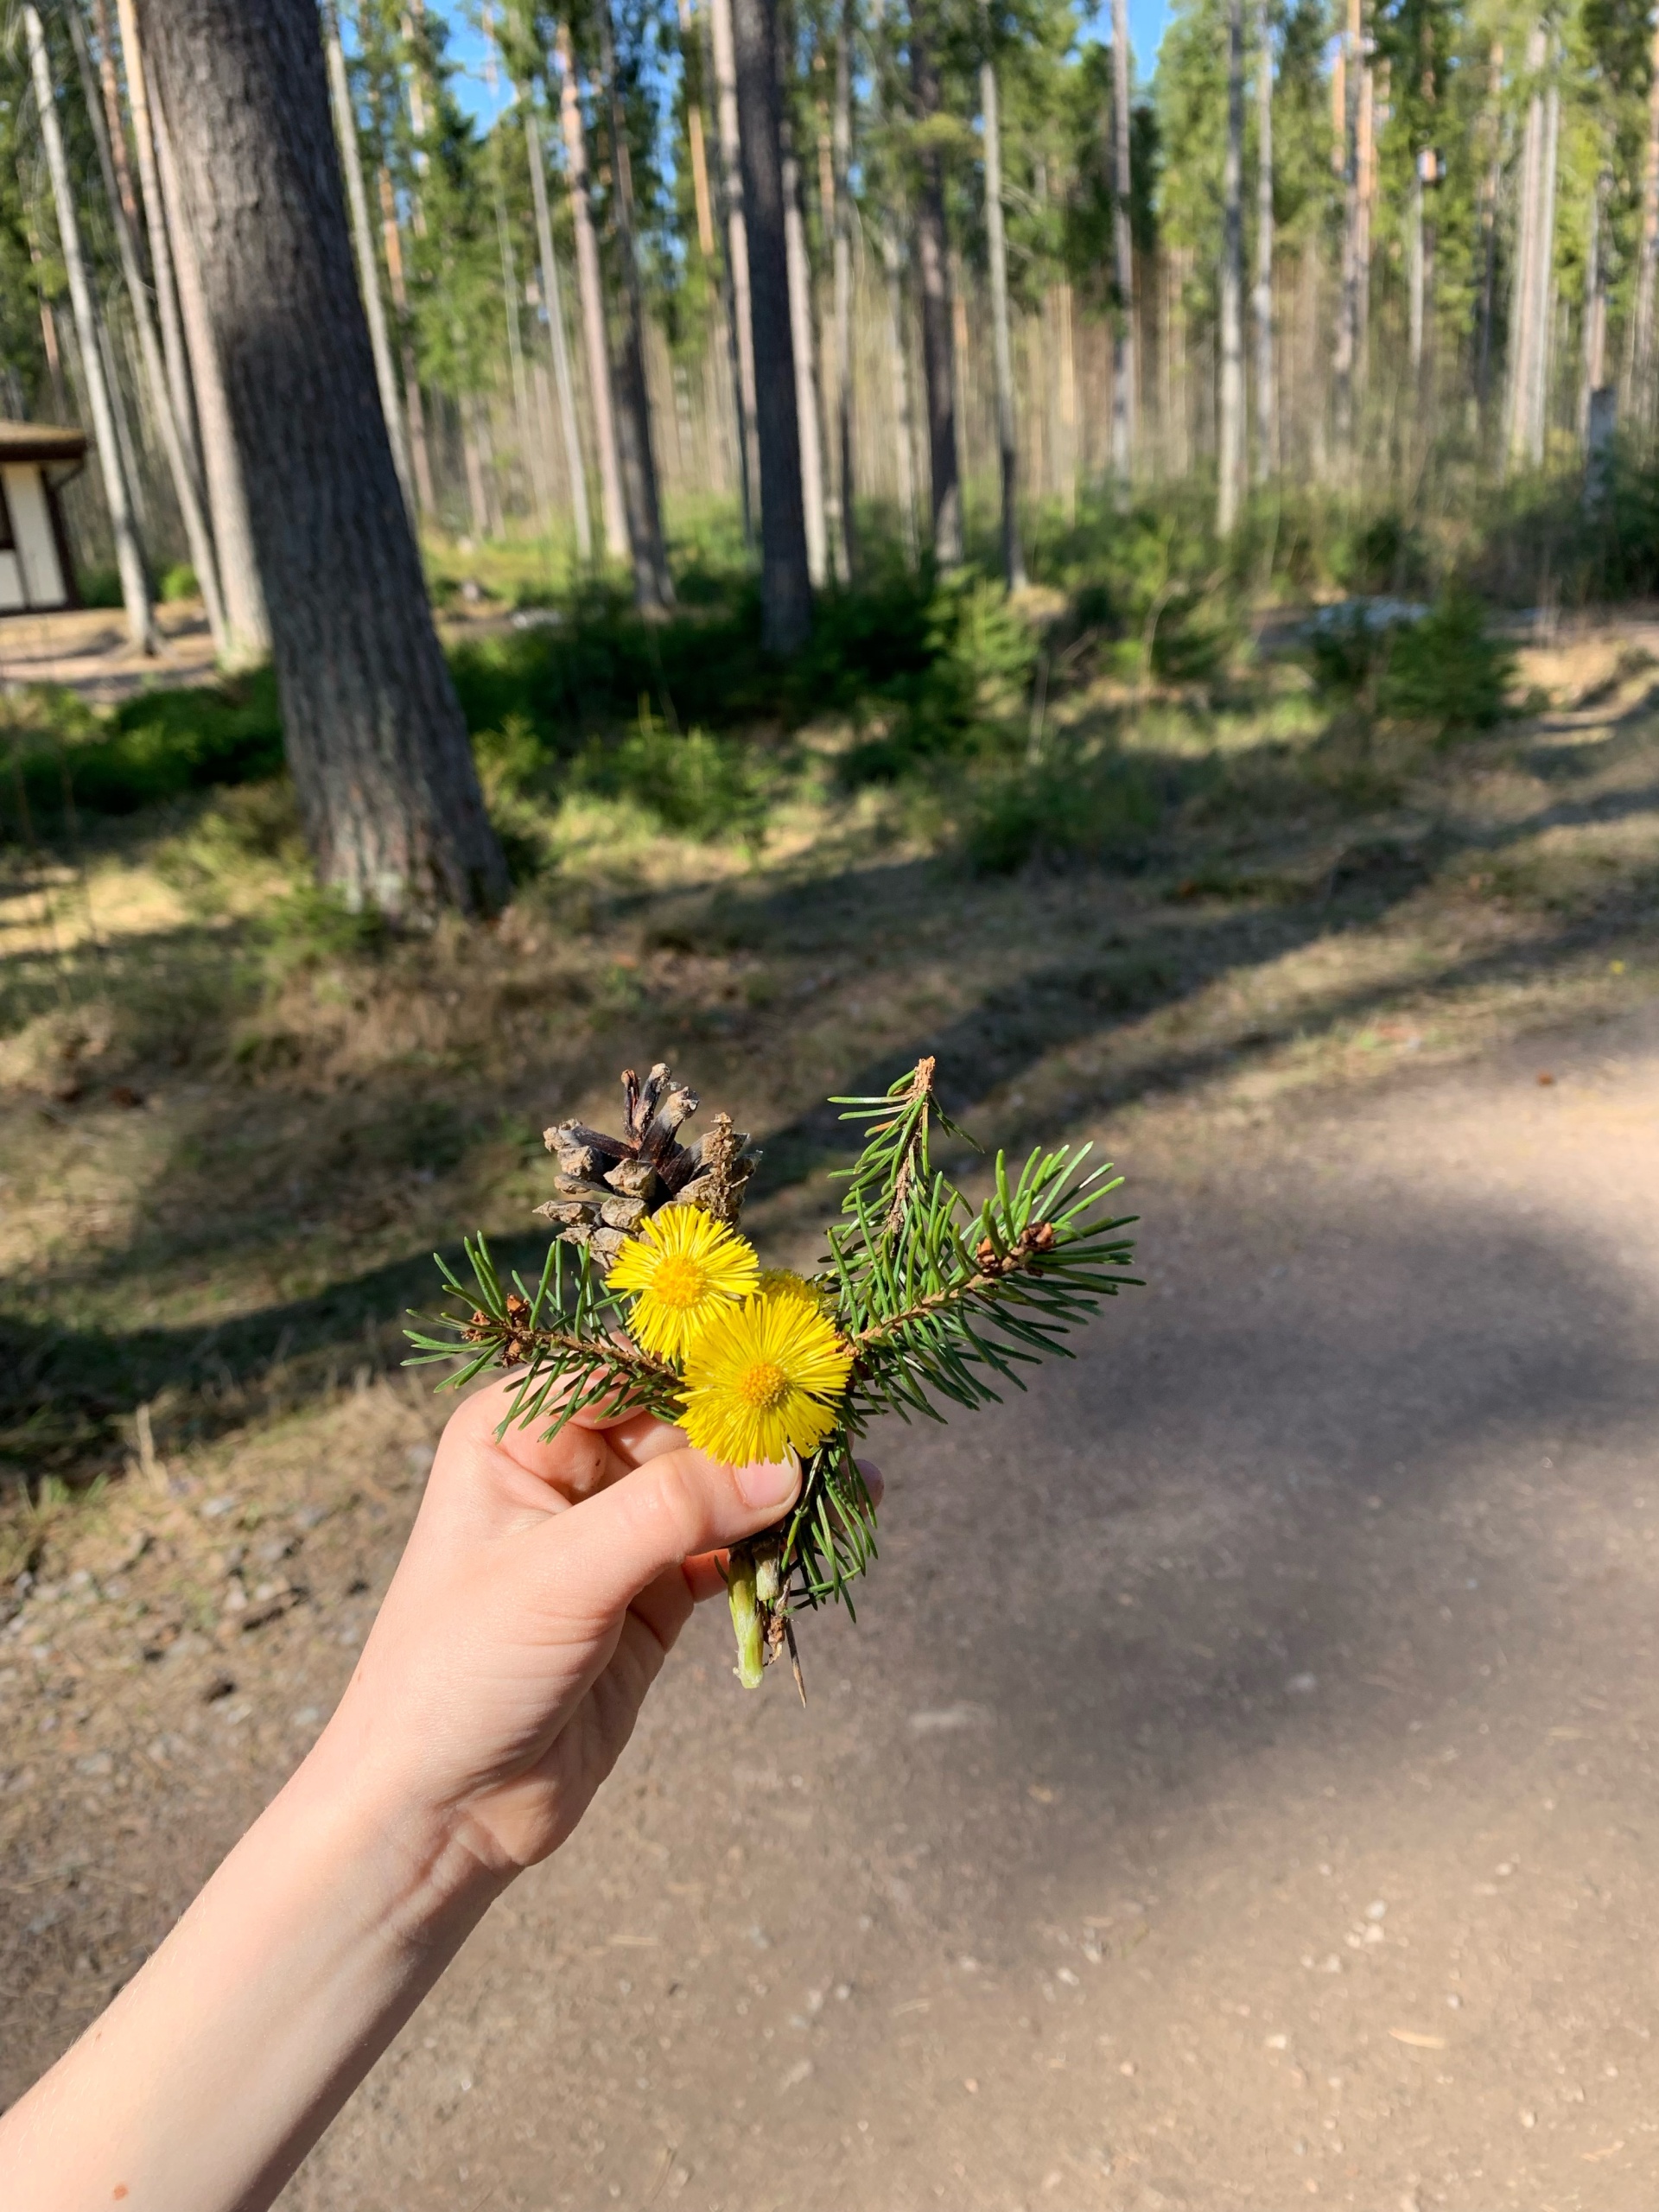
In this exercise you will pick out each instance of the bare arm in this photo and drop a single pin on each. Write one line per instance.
(541, 1589)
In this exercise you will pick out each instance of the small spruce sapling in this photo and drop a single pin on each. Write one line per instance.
(651, 1299)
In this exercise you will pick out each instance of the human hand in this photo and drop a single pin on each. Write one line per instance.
(541, 1589)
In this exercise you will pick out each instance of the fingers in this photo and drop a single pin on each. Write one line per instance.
(706, 1577)
(679, 1504)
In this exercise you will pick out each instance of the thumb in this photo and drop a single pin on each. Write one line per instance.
(675, 1506)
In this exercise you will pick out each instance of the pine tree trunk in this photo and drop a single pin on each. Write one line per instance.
(368, 268)
(1013, 559)
(374, 735)
(553, 306)
(1524, 304)
(1267, 375)
(420, 459)
(591, 293)
(738, 301)
(1544, 290)
(785, 582)
(1123, 371)
(939, 336)
(123, 210)
(845, 216)
(694, 136)
(1230, 439)
(128, 554)
(472, 461)
(160, 251)
(1595, 306)
(241, 585)
(653, 584)
(807, 414)
(1642, 397)
(1343, 361)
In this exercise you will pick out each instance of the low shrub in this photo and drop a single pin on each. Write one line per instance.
(1447, 671)
(1058, 810)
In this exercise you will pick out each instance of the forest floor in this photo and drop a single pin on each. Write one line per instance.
(1236, 1790)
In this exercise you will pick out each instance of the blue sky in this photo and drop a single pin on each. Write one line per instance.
(468, 50)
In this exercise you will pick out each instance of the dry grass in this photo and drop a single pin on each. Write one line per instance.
(230, 1142)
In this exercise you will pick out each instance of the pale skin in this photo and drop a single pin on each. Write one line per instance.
(543, 1586)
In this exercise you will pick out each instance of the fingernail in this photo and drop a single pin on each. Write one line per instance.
(768, 1482)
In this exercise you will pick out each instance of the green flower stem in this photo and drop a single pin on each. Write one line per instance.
(747, 1620)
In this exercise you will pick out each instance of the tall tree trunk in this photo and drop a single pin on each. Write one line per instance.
(1544, 285)
(1124, 372)
(1013, 559)
(1491, 132)
(938, 337)
(368, 268)
(898, 347)
(553, 305)
(1414, 274)
(808, 417)
(1230, 456)
(1345, 358)
(1524, 306)
(785, 582)
(1595, 306)
(241, 585)
(653, 584)
(374, 735)
(128, 554)
(122, 208)
(532, 461)
(738, 302)
(591, 293)
(420, 459)
(472, 461)
(1267, 376)
(1642, 397)
(690, 53)
(845, 215)
(161, 250)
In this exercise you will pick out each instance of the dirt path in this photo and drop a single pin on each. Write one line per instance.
(1240, 1787)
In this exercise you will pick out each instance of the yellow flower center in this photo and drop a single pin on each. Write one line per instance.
(765, 1386)
(680, 1281)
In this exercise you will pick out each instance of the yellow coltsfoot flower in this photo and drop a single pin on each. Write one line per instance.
(686, 1267)
(764, 1378)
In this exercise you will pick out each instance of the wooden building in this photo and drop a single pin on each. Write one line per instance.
(36, 460)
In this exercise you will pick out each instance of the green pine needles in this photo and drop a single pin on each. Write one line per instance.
(651, 1300)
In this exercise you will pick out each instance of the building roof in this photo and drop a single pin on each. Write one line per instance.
(41, 442)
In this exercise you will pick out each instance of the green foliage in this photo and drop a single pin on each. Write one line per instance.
(101, 585)
(940, 1304)
(1059, 808)
(177, 583)
(158, 745)
(1447, 671)
(704, 786)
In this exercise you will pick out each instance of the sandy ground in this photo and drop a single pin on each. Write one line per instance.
(1239, 1787)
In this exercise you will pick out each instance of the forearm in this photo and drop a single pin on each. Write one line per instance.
(216, 2069)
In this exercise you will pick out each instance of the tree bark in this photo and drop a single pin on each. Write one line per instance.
(1230, 428)
(240, 583)
(368, 268)
(1649, 262)
(1346, 349)
(1013, 559)
(160, 251)
(186, 488)
(938, 337)
(808, 417)
(1267, 378)
(739, 303)
(1123, 369)
(420, 459)
(785, 582)
(842, 152)
(590, 292)
(374, 735)
(1595, 306)
(554, 306)
(1526, 310)
(653, 586)
(694, 136)
(128, 554)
